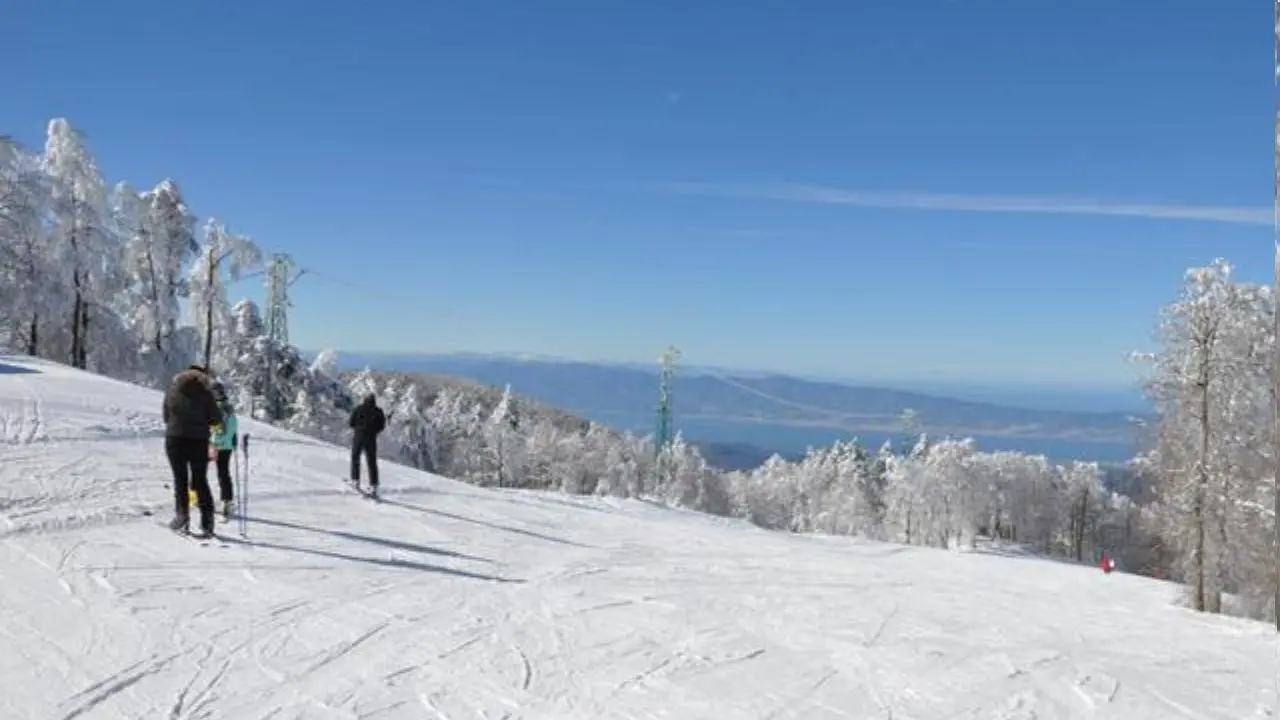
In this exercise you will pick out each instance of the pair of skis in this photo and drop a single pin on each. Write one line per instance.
(371, 494)
(198, 537)
(242, 502)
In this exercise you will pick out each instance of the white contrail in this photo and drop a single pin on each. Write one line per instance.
(977, 203)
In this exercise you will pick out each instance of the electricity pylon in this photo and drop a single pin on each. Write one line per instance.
(665, 376)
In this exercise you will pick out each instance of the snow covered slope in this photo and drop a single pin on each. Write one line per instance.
(448, 601)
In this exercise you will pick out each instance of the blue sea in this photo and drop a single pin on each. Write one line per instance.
(790, 439)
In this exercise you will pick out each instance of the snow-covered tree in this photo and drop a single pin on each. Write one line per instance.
(1202, 383)
(409, 436)
(325, 361)
(305, 418)
(30, 283)
(687, 477)
(1085, 501)
(220, 252)
(456, 423)
(625, 464)
(79, 202)
(1212, 443)
(365, 383)
(503, 443)
(156, 257)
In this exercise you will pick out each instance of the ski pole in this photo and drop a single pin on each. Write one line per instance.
(245, 496)
(239, 490)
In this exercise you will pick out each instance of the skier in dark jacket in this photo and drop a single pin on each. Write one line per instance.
(190, 411)
(367, 421)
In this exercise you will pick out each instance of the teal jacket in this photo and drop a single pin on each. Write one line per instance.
(225, 438)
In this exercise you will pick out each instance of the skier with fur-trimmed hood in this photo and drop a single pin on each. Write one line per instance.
(190, 410)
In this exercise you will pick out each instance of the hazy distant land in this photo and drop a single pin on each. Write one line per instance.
(743, 418)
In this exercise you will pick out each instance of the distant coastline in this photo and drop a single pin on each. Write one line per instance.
(754, 414)
(790, 440)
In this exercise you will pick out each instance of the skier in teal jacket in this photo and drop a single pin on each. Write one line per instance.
(223, 441)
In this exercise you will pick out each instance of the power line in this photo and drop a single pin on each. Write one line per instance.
(666, 367)
(832, 414)
(310, 270)
(379, 295)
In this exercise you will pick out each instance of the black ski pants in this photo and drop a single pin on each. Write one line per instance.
(189, 459)
(225, 490)
(368, 446)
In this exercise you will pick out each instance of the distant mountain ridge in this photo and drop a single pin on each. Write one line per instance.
(625, 396)
(1036, 395)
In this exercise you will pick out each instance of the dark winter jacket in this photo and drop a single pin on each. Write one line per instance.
(367, 420)
(189, 407)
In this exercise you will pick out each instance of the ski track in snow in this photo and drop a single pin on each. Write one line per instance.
(447, 601)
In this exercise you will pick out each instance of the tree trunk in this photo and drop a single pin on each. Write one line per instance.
(33, 337)
(1082, 516)
(1074, 550)
(1201, 487)
(208, 308)
(502, 479)
(77, 307)
(1224, 541)
(155, 308)
(82, 361)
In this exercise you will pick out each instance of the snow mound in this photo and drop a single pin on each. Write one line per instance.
(449, 601)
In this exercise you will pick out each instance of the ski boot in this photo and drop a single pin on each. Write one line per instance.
(206, 526)
(226, 510)
(180, 524)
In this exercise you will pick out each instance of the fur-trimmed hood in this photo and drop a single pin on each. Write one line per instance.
(188, 379)
(189, 406)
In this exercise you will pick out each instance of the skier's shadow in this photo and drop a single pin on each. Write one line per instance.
(528, 533)
(7, 369)
(385, 542)
(390, 562)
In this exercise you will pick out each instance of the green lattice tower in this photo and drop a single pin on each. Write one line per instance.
(665, 375)
(277, 322)
(278, 298)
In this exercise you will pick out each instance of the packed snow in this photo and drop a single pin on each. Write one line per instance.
(450, 601)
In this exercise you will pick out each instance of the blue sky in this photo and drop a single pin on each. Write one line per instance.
(819, 187)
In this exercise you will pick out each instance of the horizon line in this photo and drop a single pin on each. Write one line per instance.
(820, 195)
(729, 371)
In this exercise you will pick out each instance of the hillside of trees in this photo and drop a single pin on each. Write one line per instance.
(129, 284)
